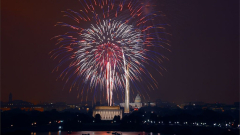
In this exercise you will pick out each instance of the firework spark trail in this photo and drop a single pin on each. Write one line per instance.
(117, 34)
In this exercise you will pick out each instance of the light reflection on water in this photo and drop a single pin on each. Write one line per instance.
(94, 133)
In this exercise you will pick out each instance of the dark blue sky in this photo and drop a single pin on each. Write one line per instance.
(203, 64)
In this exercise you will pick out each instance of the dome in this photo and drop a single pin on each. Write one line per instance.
(137, 99)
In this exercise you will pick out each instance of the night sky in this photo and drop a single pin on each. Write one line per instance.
(203, 64)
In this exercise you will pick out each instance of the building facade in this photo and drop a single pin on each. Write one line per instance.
(136, 104)
(107, 112)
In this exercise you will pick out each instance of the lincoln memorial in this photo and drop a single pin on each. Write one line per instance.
(107, 112)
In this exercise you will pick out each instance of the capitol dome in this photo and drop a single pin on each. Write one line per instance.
(137, 99)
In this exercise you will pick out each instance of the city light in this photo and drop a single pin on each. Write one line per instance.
(107, 52)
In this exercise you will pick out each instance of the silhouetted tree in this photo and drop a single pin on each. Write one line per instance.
(97, 118)
(116, 118)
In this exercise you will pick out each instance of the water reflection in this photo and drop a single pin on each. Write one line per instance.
(33, 133)
(95, 133)
(59, 132)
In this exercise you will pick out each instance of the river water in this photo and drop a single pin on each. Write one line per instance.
(94, 133)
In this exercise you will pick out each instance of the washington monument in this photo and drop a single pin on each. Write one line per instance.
(127, 93)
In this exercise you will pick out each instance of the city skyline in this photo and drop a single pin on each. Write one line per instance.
(203, 64)
(133, 99)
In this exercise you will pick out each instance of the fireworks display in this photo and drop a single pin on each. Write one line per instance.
(109, 41)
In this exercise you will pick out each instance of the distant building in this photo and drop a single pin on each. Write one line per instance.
(137, 99)
(72, 106)
(149, 104)
(23, 105)
(59, 106)
(192, 105)
(136, 104)
(183, 105)
(107, 112)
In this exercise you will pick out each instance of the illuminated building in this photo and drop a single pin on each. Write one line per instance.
(127, 94)
(107, 112)
(136, 104)
(150, 104)
(137, 99)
